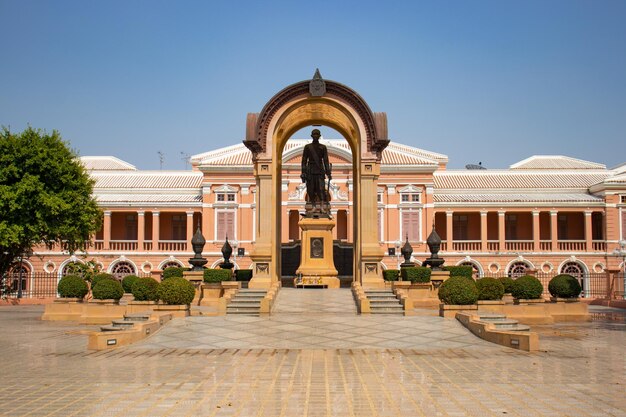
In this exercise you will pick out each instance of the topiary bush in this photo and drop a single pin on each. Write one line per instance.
(508, 284)
(391, 274)
(460, 271)
(564, 286)
(107, 289)
(99, 277)
(243, 275)
(145, 289)
(173, 271)
(458, 291)
(217, 275)
(489, 289)
(72, 286)
(176, 291)
(416, 274)
(527, 287)
(128, 281)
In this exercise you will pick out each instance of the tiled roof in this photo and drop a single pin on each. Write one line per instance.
(617, 179)
(512, 179)
(555, 162)
(148, 198)
(147, 179)
(512, 198)
(394, 154)
(105, 163)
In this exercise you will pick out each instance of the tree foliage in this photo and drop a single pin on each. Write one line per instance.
(45, 195)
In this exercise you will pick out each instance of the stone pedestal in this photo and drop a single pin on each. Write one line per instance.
(316, 262)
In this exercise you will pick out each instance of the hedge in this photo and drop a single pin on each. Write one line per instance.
(99, 277)
(460, 271)
(564, 286)
(458, 291)
(489, 289)
(72, 286)
(391, 274)
(243, 274)
(128, 281)
(107, 289)
(507, 282)
(416, 274)
(217, 275)
(527, 288)
(173, 271)
(176, 291)
(145, 289)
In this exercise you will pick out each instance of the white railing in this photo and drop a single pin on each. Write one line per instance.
(545, 245)
(147, 245)
(123, 245)
(466, 245)
(519, 245)
(599, 246)
(493, 245)
(173, 245)
(98, 244)
(444, 245)
(572, 245)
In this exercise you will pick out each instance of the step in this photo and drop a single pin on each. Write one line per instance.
(491, 316)
(387, 311)
(376, 292)
(255, 295)
(382, 297)
(111, 328)
(241, 310)
(137, 316)
(124, 323)
(374, 303)
(244, 291)
(244, 305)
(245, 300)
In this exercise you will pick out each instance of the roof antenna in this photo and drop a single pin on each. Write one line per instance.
(161, 159)
(185, 157)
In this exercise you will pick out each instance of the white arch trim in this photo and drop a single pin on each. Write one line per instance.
(575, 260)
(479, 267)
(519, 259)
(121, 259)
(170, 259)
(219, 261)
(71, 259)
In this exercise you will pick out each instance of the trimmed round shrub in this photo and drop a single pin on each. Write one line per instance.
(107, 289)
(564, 286)
(458, 291)
(460, 271)
(176, 291)
(507, 282)
(489, 289)
(217, 275)
(243, 275)
(391, 274)
(72, 286)
(416, 274)
(128, 281)
(145, 289)
(99, 277)
(527, 288)
(172, 272)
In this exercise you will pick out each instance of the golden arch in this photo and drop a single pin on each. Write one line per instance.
(267, 132)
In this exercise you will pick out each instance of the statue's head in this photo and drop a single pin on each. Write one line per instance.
(316, 134)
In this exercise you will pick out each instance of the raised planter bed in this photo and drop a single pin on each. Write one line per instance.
(449, 310)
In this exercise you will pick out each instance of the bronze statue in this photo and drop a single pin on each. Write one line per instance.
(315, 168)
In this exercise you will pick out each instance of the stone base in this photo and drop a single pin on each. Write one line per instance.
(449, 311)
(64, 309)
(317, 251)
(313, 281)
(176, 310)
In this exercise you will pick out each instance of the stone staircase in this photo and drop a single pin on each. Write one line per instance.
(501, 322)
(246, 301)
(126, 323)
(384, 301)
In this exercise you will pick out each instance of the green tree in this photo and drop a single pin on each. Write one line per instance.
(45, 195)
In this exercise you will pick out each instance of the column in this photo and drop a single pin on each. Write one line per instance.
(501, 230)
(536, 232)
(588, 234)
(189, 230)
(141, 229)
(106, 235)
(156, 223)
(483, 232)
(554, 230)
(449, 234)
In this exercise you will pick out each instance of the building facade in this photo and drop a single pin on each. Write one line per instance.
(548, 213)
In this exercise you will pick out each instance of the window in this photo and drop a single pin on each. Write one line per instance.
(410, 225)
(413, 198)
(220, 197)
(623, 199)
(517, 269)
(131, 227)
(380, 225)
(459, 227)
(379, 197)
(230, 197)
(121, 269)
(225, 225)
(510, 230)
(405, 198)
(179, 227)
(225, 197)
(171, 264)
(562, 227)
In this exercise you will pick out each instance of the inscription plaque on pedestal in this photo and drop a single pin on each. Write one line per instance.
(317, 247)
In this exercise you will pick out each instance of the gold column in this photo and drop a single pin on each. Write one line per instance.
(141, 229)
(536, 232)
(483, 231)
(501, 230)
(156, 223)
(106, 235)
(554, 234)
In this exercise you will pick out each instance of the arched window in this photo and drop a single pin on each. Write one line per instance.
(574, 269)
(72, 268)
(517, 269)
(171, 264)
(123, 268)
(16, 273)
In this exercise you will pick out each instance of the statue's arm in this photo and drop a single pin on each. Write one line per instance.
(327, 164)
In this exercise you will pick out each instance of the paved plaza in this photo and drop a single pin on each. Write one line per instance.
(313, 357)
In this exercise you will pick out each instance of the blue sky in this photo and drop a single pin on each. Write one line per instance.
(490, 81)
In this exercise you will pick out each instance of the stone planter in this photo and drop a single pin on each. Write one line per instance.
(140, 306)
(564, 300)
(568, 309)
(449, 311)
(495, 306)
(177, 310)
(64, 309)
(420, 290)
(127, 298)
(102, 312)
(524, 301)
(508, 298)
